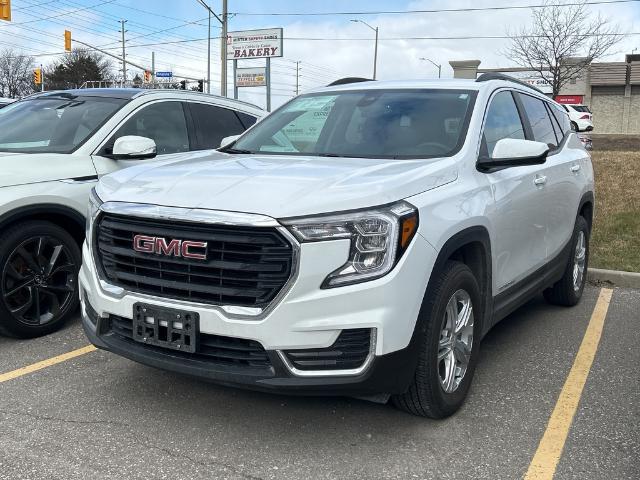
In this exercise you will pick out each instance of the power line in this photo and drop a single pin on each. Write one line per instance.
(63, 14)
(388, 39)
(439, 10)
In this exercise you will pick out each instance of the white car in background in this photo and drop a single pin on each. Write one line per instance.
(580, 116)
(53, 148)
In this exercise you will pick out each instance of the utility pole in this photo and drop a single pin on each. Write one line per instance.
(223, 51)
(124, 64)
(297, 77)
(153, 69)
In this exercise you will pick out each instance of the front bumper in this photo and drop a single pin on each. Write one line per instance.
(305, 318)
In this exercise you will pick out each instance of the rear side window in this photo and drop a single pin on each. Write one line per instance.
(539, 119)
(246, 119)
(213, 123)
(562, 119)
(503, 121)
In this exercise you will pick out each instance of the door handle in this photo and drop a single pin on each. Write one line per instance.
(575, 168)
(540, 180)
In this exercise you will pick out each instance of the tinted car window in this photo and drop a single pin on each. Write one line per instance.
(503, 121)
(213, 124)
(539, 120)
(581, 108)
(246, 119)
(377, 123)
(53, 123)
(562, 118)
(163, 122)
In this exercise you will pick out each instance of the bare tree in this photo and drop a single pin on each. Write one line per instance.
(557, 34)
(16, 74)
(77, 67)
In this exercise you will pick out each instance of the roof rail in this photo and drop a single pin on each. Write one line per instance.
(347, 80)
(485, 77)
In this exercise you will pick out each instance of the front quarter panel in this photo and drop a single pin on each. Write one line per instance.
(70, 194)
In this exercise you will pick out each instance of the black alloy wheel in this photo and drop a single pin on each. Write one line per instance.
(39, 264)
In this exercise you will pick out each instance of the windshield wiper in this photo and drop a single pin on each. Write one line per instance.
(234, 150)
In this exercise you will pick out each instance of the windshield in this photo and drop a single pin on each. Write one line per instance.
(53, 124)
(367, 123)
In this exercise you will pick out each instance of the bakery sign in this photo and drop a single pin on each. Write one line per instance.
(250, 77)
(265, 43)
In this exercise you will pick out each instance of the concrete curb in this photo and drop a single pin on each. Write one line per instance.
(615, 277)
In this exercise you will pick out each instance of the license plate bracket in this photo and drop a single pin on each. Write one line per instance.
(166, 327)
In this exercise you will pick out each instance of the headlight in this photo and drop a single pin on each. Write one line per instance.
(92, 212)
(378, 238)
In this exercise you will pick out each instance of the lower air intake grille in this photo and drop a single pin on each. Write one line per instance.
(349, 351)
(211, 348)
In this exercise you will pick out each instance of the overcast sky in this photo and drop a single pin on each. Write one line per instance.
(322, 59)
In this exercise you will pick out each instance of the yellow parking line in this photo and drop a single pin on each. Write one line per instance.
(4, 377)
(545, 461)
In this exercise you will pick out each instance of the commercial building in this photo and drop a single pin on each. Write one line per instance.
(611, 90)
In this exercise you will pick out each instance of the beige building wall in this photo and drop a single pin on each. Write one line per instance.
(608, 111)
(634, 118)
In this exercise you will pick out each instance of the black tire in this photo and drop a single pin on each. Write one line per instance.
(574, 127)
(426, 396)
(38, 287)
(564, 292)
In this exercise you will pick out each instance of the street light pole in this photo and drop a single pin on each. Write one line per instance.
(211, 12)
(375, 51)
(439, 67)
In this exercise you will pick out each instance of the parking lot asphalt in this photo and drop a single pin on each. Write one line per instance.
(100, 416)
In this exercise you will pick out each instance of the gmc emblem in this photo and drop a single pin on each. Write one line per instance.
(174, 248)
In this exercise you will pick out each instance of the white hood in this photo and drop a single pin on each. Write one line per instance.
(274, 185)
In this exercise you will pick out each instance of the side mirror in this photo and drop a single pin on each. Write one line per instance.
(512, 152)
(226, 141)
(133, 147)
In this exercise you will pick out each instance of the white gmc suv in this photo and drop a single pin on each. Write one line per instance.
(360, 240)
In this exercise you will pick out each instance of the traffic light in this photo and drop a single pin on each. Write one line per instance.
(5, 10)
(147, 76)
(67, 41)
(201, 85)
(37, 76)
(183, 85)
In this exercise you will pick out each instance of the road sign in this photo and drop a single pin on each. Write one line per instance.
(251, 77)
(164, 74)
(247, 44)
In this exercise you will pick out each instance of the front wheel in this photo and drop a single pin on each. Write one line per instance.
(449, 338)
(39, 264)
(574, 127)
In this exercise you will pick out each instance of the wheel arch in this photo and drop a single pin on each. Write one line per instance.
(586, 208)
(471, 246)
(65, 217)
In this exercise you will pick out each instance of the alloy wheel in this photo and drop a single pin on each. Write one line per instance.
(456, 341)
(38, 280)
(579, 261)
